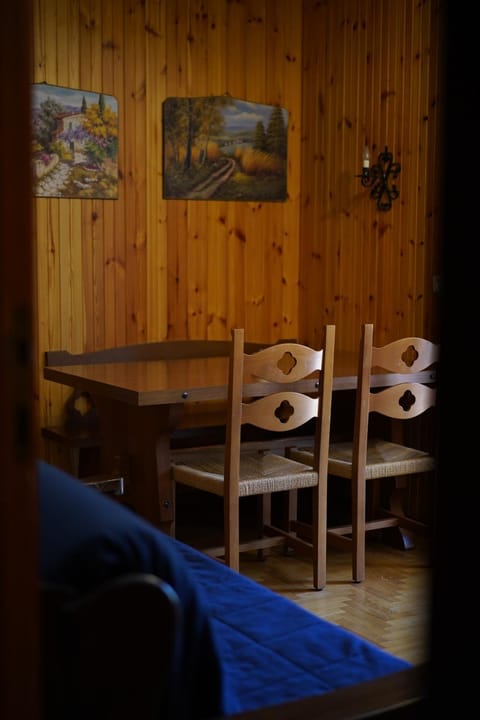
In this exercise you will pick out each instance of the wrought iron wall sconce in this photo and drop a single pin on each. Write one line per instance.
(379, 177)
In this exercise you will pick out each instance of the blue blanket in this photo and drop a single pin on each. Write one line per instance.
(244, 646)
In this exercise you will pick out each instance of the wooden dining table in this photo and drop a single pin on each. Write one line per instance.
(141, 404)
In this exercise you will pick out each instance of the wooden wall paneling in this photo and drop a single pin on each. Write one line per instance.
(217, 239)
(423, 284)
(325, 277)
(38, 40)
(312, 170)
(156, 249)
(118, 263)
(66, 270)
(134, 201)
(290, 210)
(364, 240)
(349, 287)
(176, 34)
(405, 219)
(85, 41)
(256, 220)
(64, 242)
(197, 269)
(273, 288)
(270, 242)
(368, 240)
(388, 234)
(78, 333)
(423, 280)
(436, 160)
(109, 206)
(400, 15)
(275, 239)
(353, 255)
(71, 57)
(139, 272)
(411, 167)
(46, 212)
(401, 286)
(236, 268)
(378, 222)
(215, 244)
(177, 281)
(88, 277)
(96, 206)
(48, 308)
(73, 30)
(343, 242)
(129, 204)
(53, 289)
(198, 260)
(236, 32)
(336, 264)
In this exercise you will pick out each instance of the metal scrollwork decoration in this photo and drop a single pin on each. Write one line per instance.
(380, 178)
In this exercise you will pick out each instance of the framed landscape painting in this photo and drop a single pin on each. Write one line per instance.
(75, 143)
(222, 148)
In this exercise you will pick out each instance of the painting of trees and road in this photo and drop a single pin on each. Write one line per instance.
(75, 143)
(222, 148)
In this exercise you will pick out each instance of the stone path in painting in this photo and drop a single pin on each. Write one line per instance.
(51, 184)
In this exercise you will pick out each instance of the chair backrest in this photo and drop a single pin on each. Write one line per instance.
(281, 409)
(403, 399)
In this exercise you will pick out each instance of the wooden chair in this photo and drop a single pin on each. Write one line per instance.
(370, 458)
(233, 473)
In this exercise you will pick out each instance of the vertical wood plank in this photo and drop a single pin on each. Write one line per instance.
(177, 209)
(118, 262)
(217, 239)
(256, 214)
(156, 226)
(108, 50)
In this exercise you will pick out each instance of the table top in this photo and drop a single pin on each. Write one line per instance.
(182, 380)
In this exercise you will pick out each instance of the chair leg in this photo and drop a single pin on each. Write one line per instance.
(292, 516)
(399, 537)
(358, 528)
(319, 538)
(264, 517)
(232, 532)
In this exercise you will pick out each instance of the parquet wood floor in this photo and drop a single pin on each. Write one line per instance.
(390, 608)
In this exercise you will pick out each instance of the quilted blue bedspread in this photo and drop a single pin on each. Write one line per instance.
(244, 647)
(273, 650)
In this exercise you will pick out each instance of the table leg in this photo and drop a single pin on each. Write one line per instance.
(138, 439)
(148, 444)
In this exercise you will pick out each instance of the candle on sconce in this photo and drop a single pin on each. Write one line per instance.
(366, 158)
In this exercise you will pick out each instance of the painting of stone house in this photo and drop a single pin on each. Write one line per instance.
(75, 143)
